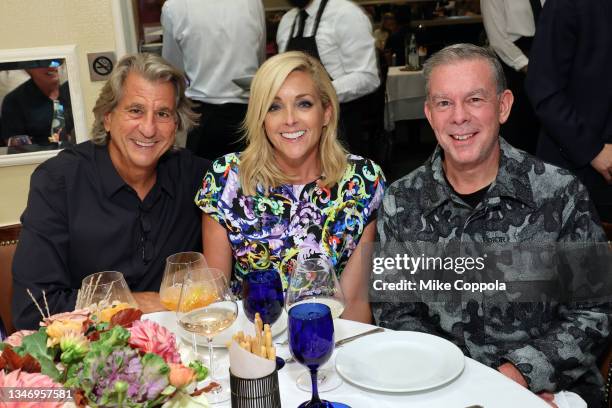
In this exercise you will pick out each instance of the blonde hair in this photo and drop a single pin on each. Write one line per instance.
(257, 164)
(153, 68)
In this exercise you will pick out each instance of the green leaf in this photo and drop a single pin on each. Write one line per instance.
(36, 345)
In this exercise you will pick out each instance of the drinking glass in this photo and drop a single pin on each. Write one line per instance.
(314, 281)
(104, 291)
(177, 266)
(263, 293)
(207, 307)
(311, 342)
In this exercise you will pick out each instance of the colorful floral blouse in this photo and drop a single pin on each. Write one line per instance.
(293, 222)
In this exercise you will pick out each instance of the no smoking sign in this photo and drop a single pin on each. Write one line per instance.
(100, 65)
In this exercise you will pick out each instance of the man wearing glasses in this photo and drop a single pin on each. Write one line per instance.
(123, 201)
(482, 196)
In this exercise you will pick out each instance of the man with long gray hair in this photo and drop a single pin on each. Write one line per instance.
(477, 192)
(122, 201)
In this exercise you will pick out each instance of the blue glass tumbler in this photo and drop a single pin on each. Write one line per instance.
(311, 341)
(263, 294)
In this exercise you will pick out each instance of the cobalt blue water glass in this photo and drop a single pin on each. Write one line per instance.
(263, 294)
(311, 341)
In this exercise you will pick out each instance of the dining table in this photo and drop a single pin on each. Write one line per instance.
(405, 96)
(475, 386)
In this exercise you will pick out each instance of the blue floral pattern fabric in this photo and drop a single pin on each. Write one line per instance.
(290, 223)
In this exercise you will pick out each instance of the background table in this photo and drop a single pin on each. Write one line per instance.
(405, 96)
(476, 385)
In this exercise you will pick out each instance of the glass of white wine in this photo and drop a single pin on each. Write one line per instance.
(314, 280)
(207, 307)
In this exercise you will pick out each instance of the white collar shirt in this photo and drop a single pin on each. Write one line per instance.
(345, 44)
(506, 21)
(214, 42)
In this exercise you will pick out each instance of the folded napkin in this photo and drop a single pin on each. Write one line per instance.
(244, 364)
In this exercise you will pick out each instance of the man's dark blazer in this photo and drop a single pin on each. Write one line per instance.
(569, 83)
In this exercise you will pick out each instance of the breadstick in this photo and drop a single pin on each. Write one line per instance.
(271, 353)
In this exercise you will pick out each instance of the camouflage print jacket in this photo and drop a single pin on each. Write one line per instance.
(555, 347)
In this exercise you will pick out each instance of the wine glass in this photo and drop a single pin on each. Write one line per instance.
(311, 342)
(105, 293)
(314, 281)
(263, 293)
(177, 266)
(207, 307)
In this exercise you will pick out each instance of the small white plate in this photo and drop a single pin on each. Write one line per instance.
(400, 361)
(244, 82)
(168, 320)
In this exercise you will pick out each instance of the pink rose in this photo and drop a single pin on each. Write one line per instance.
(150, 337)
(22, 379)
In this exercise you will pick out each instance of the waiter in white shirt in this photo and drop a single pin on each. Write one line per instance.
(510, 27)
(215, 42)
(339, 34)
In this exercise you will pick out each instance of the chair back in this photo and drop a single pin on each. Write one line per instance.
(8, 243)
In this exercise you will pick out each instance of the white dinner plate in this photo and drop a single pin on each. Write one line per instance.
(244, 82)
(401, 361)
(168, 320)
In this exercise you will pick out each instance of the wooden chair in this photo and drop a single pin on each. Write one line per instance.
(9, 237)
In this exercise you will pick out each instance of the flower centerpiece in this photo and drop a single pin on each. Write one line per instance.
(120, 362)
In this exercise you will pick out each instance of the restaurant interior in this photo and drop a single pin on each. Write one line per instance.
(80, 34)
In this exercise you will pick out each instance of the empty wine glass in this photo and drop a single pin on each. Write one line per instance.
(314, 281)
(177, 266)
(207, 307)
(105, 293)
(263, 293)
(311, 342)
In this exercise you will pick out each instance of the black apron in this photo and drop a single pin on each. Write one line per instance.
(303, 43)
(351, 113)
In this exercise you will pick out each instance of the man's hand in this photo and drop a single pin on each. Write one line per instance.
(549, 398)
(148, 302)
(603, 162)
(510, 371)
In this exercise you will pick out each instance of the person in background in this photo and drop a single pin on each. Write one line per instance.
(32, 108)
(388, 25)
(568, 85)
(339, 34)
(294, 192)
(478, 189)
(122, 201)
(215, 42)
(510, 27)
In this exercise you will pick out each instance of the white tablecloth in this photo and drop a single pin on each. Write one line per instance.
(476, 385)
(405, 96)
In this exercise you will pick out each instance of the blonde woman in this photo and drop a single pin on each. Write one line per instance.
(294, 192)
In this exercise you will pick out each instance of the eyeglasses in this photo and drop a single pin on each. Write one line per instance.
(160, 116)
(145, 244)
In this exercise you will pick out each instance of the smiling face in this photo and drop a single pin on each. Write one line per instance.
(465, 112)
(294, 124)
(142, 126)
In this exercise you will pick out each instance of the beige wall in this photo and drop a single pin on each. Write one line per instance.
(37, 23)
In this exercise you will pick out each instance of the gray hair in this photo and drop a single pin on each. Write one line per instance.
(465, 52)
(153, 68)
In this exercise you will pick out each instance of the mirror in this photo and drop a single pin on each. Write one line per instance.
(41, 102)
